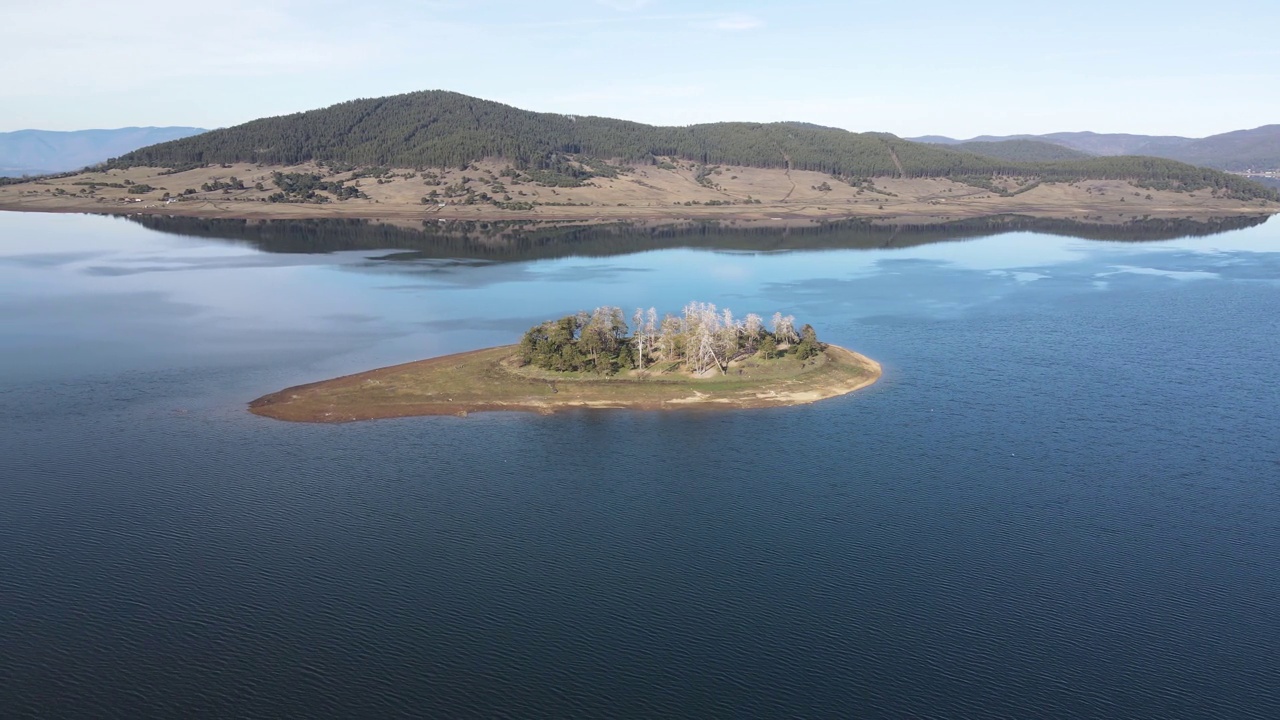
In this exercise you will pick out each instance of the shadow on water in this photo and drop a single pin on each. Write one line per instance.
(513, 241)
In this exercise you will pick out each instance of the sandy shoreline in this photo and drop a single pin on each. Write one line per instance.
(477, 381)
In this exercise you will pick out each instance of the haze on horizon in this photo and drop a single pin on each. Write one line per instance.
(1179, 68)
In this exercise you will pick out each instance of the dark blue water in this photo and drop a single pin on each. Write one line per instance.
(1062, 500)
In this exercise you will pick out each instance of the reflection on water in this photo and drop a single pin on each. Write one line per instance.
(1062, 500)
(517, 241)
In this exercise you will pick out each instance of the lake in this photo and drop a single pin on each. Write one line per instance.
(1062, 499)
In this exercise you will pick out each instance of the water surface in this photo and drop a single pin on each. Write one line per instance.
(1063, 499)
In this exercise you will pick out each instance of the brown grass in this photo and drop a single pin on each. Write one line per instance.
(645, 192)
(489, 380)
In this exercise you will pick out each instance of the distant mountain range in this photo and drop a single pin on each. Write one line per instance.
(1257, 149)
(1020, 150)
(33, 152)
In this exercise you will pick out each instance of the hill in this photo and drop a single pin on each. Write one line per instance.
(1256, 149)
(1090, 143)
(1022, 150)
(444, 129)
(435, 129)
(1237, 151)
(36, 152)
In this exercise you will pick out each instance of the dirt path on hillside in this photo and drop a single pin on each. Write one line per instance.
(897, 163)
(788, 174)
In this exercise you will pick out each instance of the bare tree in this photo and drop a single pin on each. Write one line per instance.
(702, 336)
(728, 338)
(638, 337)
(752, 329)
(645, 333)
(784, 328)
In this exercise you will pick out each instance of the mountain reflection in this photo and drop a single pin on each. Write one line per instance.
(510, 241)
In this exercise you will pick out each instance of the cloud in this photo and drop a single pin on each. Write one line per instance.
(737, 23)
(95, 46)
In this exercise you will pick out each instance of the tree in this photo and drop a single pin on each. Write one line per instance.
(645, 334)
(671, 339)
(752, 330)
(768, 347)
(784, 328)
(701, 338)
(706, 337)
(728, 338)
(809, 345)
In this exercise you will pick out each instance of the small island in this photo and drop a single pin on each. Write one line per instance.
(702, 358)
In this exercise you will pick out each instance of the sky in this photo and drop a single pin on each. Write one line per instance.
(925, 67)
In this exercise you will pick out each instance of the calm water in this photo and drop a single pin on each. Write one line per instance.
(1063, 500)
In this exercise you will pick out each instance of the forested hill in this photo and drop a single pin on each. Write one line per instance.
(440, 129)
(1022, 150)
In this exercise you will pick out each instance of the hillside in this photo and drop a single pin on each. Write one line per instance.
(444, 129)
(491, 190)
(1089, 143)
(35, 152)
(1030, 151)
(1256, 149)
(436, 129)
(1238, 151)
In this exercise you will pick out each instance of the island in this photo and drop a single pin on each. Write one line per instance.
(702, 358)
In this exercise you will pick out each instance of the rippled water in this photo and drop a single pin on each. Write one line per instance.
(1063, 499)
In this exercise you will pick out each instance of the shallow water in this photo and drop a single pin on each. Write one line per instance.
(1063, 499)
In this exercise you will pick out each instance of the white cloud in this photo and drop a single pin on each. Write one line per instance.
(95, 46)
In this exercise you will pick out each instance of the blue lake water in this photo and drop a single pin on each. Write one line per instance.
(1062, 500)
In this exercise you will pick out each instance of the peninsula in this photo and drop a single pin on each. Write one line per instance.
(439, 155)
(703, 358)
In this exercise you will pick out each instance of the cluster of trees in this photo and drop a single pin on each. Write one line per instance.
(442, 129)
(700, 339)
(303, 187)
(231, 183)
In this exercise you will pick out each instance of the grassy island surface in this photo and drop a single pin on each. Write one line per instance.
(495, 380)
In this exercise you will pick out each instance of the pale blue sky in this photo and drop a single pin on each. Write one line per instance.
(960, 69)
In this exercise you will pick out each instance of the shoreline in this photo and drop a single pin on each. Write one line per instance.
(424, 388)
(764, 214)
(247, 191)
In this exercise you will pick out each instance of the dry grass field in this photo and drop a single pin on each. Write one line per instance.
(488, 380)
(670, 191)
